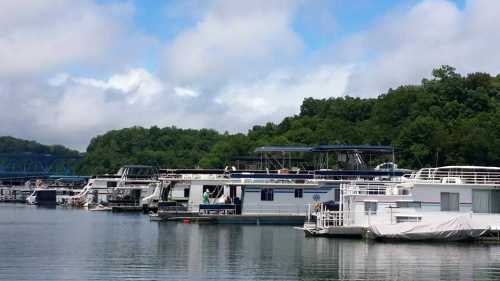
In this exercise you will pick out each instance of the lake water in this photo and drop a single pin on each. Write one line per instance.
(69, 244)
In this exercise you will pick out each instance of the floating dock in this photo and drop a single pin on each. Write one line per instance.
(257, 219)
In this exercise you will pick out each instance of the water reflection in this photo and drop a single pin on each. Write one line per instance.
(59, 244)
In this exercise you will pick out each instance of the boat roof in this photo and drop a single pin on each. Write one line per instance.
(137, 166)
(354, 148)
(328, 148)
(468, 167)
(283, 149)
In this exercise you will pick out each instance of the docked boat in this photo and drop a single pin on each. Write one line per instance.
(50, 191)
(126, 189)
(43, 196)
(458, 228)
(264, 196)
(429, 205)
(100, 208)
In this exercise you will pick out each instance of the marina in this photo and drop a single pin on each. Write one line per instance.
(249, 140)
(448, 203)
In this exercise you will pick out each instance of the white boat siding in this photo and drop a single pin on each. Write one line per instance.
(284, 199)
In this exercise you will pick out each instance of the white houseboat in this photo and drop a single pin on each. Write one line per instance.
(128, 187)
(435, 201)
(274, 197)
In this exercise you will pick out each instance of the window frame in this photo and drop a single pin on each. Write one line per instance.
(369, 210)
(409, 204)
(299, 193)
(267, 194)
(448, 208)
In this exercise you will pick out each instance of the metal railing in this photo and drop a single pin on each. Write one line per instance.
(373, 188)
(458, 176)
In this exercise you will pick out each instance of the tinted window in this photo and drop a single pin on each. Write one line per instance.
(450, 201)
(267, 194)
(111, 184)
(299, 192)
(371, 208)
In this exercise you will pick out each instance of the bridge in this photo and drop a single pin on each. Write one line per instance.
(16, 168)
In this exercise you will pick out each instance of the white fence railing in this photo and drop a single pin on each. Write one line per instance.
(373, 188)
(458, 176)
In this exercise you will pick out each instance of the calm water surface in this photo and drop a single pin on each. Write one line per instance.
(63, 244)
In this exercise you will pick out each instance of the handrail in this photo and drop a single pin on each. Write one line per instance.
(374, 189)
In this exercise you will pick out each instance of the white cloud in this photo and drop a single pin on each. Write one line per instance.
(185, 92)
(72, 110)
(279, 95)
(38, 36)
(406, 45)
(138, 84)
(235, 39)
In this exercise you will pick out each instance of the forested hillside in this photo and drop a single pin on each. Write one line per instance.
(449, 119)
(14, 145)
(167, 147)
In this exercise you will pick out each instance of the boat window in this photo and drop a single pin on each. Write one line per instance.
(299, 192)
(186, 192)
(400, 219)
(486, 201)
(370, 207)
(111, 184)
(232, 192)
(450, 201)
(409, 204)
(267, 194)
(336, 194)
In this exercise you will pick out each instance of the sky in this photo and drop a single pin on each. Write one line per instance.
(74, 69)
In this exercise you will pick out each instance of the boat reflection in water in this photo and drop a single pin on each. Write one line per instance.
(276, 252)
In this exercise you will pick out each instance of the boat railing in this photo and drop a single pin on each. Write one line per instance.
(189, 177)
(373, 188)
(282, 181)
(459, 177)
(7, 197)
(323, 217)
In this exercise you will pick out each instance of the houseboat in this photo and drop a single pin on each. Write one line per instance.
(449, 203)
(53, 190)
(125, 189)
(264, 196)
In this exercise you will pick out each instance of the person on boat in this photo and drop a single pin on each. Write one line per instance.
(205, 197)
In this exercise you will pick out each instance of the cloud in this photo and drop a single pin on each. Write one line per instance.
(39, 36)
(279, 94)
(137, 84)
(406, 45)
(184, 92)
(71, 110)
(234, 39)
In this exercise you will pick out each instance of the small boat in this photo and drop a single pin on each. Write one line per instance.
(100, 208)
(154, 217)
(459, 228)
